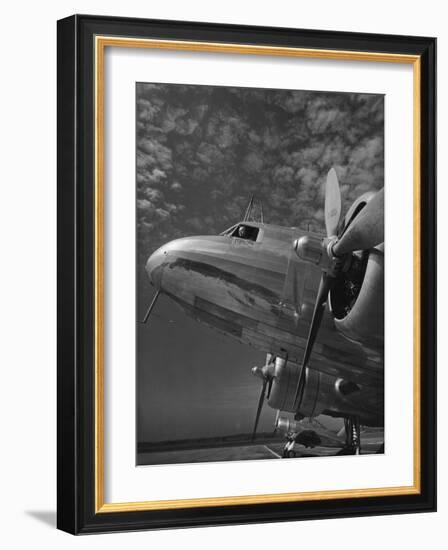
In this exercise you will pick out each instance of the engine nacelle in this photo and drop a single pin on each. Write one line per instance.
(357, 206)
(357, 299)
(284, 388)
(324, 394)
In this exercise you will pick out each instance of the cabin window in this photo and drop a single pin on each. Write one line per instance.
(246, 232)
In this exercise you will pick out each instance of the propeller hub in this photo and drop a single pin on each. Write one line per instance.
(264, 373)
(318, 252)
(258, 372)
(309, 248)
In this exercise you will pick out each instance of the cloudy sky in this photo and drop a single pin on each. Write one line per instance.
(201, 152)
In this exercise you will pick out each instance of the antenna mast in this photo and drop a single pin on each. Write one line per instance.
(249, 209)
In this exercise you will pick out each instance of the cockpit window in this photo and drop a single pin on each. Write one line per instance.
(247, 232)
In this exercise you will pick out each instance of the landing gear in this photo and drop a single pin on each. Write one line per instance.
(352, 437)
(307, 438)
(288, 449)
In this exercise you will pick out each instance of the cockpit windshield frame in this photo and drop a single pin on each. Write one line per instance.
(244, 231)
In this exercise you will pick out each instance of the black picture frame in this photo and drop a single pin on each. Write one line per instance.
(76, 512)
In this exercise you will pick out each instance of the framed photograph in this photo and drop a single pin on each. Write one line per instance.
(246, 274)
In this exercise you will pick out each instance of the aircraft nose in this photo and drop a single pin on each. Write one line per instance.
(155, 265)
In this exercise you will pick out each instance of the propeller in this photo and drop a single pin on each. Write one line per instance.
(332, 203)
(266, 374)
(260, 407)
(277, 416)
(364, 232)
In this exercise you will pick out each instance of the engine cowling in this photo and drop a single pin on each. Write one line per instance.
(357, 206)
(323, 394)
(357, 299)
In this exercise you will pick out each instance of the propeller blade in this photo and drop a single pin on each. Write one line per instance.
(325, 285)
(151, 307)
(366, 230)
(259, 408)
(270, 382)
(332, 203)
(277, 416)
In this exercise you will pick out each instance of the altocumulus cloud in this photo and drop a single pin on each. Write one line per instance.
(203, 150)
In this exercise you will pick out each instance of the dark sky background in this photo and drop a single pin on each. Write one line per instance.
(201, 152)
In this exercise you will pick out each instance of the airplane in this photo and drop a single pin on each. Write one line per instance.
(313, 304)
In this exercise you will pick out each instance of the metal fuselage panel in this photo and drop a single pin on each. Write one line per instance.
(260, 293)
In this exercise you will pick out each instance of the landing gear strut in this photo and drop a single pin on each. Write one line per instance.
(352, 436)
(288, 449)
(307, 438)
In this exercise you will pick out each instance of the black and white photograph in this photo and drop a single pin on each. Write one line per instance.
(260, 273)
(221, 289)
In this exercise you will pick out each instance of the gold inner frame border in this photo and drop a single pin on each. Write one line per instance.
(100, 44)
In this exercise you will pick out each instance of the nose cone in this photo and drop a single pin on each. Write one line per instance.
(185, 259)
(155, 265)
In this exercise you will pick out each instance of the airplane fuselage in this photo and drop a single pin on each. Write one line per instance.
(259, 292)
